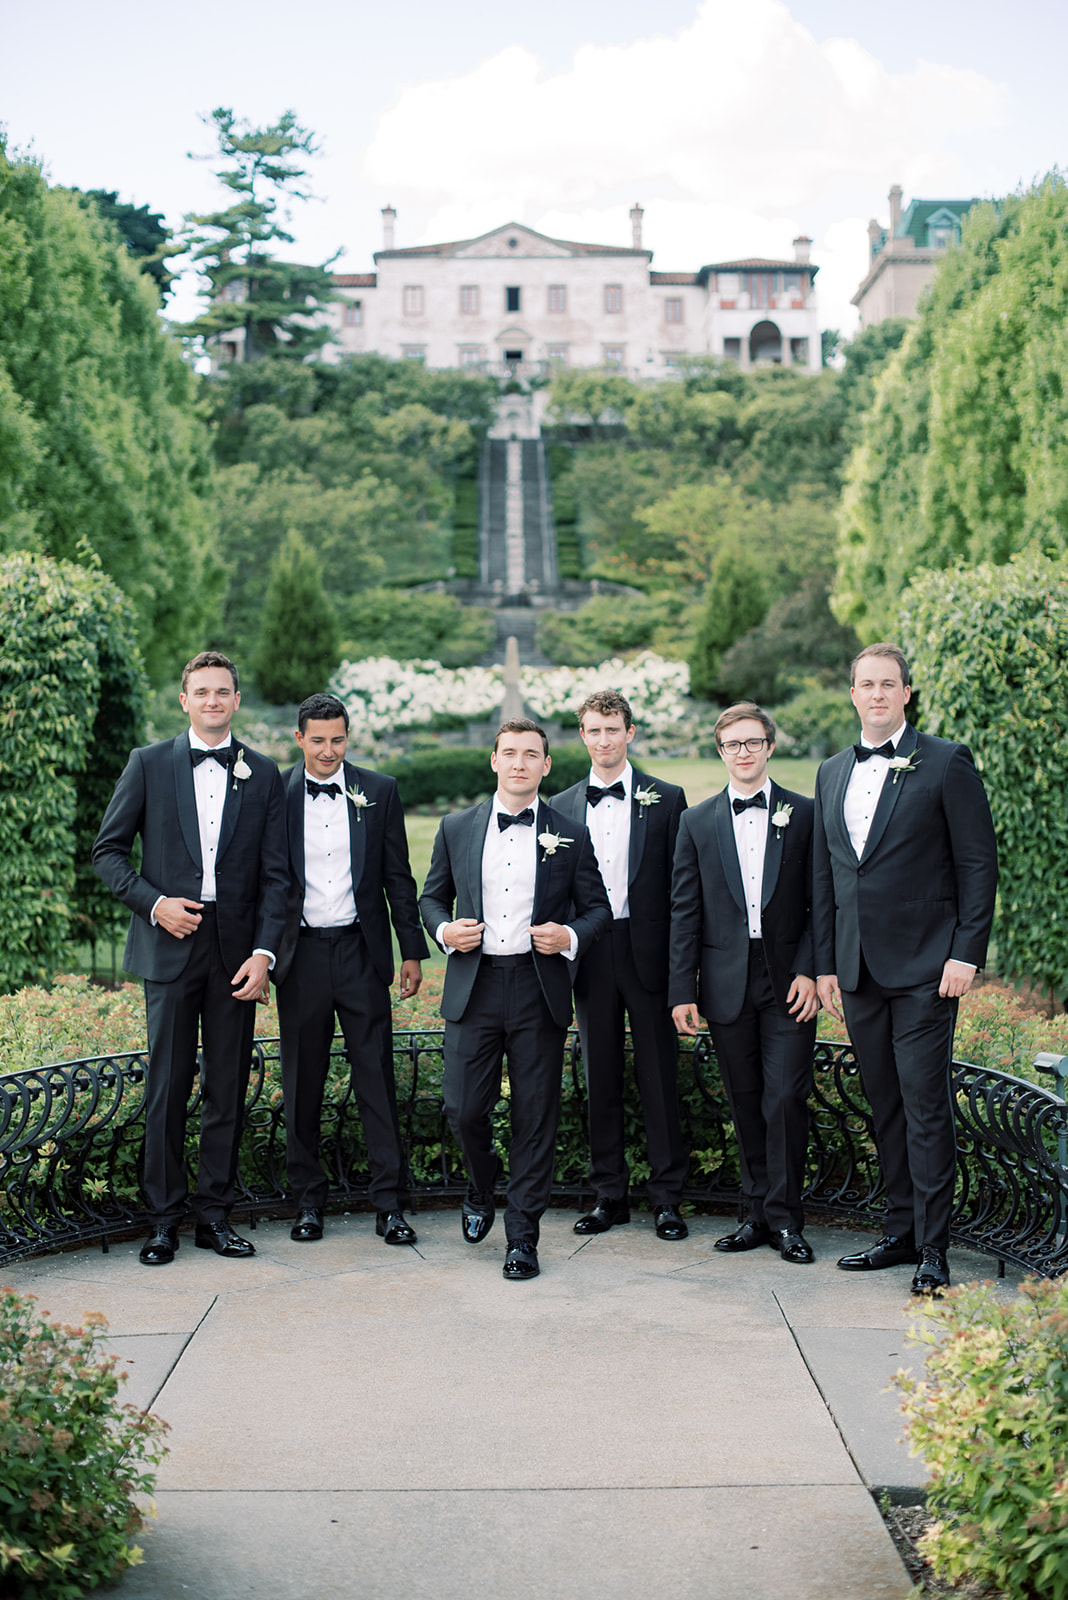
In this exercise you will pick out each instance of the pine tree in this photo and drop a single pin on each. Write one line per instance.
(298, 648)
(734, 602)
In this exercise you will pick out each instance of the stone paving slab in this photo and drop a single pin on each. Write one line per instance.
(854, 1368)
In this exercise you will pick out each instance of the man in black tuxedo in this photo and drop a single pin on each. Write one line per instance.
(905, 874)
(348, 852)
(633, 822)
(522, 880)
(741, 946)
(208, 907)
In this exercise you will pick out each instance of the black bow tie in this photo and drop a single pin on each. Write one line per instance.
(524, 818)
(221, 755)
(863, 751)
(316, 789)
(759, 801)
(595, 794)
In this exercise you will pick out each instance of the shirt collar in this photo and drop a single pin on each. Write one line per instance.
(196, 743)
(895, 739)
(736, 794)
(626, 778)
(498, 807)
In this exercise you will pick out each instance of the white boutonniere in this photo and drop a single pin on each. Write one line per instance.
(900, 764)
(360, 801)
(780, 819)
(552, 842)
(646, 797)
(242, 769)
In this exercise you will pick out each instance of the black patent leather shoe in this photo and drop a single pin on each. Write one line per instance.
(792, 1247)
(477, 1219)
(669, 1223)
(605, 1214)
(932, 1273)
(391, 1226)
(889, 1251)
(748, 1237)
(220, 1237)
(160, 1247)
(309, 1224)
(521, 1263)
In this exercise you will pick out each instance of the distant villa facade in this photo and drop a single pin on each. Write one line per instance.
(516, 301)
(903, 258)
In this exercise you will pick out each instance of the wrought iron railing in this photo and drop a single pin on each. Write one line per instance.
(71, 1139)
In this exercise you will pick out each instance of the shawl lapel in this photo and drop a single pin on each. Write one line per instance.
(358, 826)
(185, 797)
(772, 848)
(728, 848)
(639, 823)
(295, 821)
(476, 840)
(890, 795)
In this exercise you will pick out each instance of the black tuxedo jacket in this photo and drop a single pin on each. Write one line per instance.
(923, 890)
(709, 919)
(653, 831)
(567, 889)
(378, 850)
(155, 798)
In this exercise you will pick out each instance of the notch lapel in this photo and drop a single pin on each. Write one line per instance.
(728, 848)
(185, 797)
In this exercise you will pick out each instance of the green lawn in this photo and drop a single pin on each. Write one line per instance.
(703, 778)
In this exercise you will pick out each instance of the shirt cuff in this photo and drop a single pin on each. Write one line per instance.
(969, 965)
(152, 914)
(439, 940)
(572, 950)
(270, 957)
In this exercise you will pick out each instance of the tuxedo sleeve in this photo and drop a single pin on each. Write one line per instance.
(274, 877)
(687, 916)
(439, 891)
(121, 825)
(398, 882)
(975, 856)
(823, 901)
(678, 806)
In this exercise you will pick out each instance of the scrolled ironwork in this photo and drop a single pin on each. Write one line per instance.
(71, 1138)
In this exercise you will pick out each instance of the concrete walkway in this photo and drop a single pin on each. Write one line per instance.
(359, 1422)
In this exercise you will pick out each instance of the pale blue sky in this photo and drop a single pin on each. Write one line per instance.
(735, 124)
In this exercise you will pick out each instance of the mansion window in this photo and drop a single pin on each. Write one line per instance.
(613, 297)
(413, 352)
(557, 297)
(613, 355)
(732, 350)
(511, 299)
(760, 287)
(673, 308)
(413, 300)
(470, 355)
(469, 298)
(557, 353)
(354, 314)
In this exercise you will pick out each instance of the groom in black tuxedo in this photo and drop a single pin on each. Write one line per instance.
(905, 875)
(209, 904)
(513, 895)
(741, 948)
(348, 852)
(633, 822)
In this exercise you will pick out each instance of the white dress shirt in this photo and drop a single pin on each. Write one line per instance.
(329, 900)
(863, 790)
(609, 825)
(751, 838)
(209, 786)
(509, 871)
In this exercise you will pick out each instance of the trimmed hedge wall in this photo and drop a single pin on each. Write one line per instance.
(428, 777)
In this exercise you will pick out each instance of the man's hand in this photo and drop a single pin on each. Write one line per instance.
(549, 938)
(802, 992)
(830, 996)
(686, 1018)
(178, 917)
(252, 976)
(957, 977)
(411, 976)
(463, 934)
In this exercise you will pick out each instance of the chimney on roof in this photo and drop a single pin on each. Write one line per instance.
(389, 217)
(802, 249)
(895, 209)
(636, 225)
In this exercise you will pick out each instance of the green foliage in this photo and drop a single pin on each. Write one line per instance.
(819, 719)
(75, 1460)
(414, 625)
(560, 461)
(74, 1018)
(453, 775)
(142, 231)
(962, 456)
(298, 646)
(617, 625)
(232, 247)
(69, 665)
(989, 652)
(102, 448)
(735, 600)
(465, 551)
(990, 1419)
(798, 639)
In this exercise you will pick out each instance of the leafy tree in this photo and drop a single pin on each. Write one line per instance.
(143, 232)
(989, 652)
(735, 601)
(298, 646)
(102, 447)
(797, 640)
(412, 625)
(616, 625)
(270, 301)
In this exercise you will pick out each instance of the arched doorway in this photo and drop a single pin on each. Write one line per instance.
(765, 345)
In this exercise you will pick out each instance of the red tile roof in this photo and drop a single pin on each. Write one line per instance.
(355, 280)
(673, 277)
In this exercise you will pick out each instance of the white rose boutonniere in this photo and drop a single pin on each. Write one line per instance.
(552, 842)
(360, 801)
(900, 764)
(780, 819)
(646, 798)
(242, 769)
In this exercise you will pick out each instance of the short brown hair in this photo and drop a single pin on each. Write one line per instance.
(745, 711)
(209, 658)
(607, 703)
(893, 652)
(521, 725)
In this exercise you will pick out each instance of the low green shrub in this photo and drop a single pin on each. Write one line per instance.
(413, 625)
(74, 1458)
(990, 1419)
(448, 775)
(818, 720)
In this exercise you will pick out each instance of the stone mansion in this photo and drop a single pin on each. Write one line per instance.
(516, 301)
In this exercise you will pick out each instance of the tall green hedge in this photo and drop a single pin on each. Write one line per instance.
(72, 689)
(427, 777)
(989, 652)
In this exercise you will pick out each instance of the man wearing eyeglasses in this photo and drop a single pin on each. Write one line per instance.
(741, 953)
